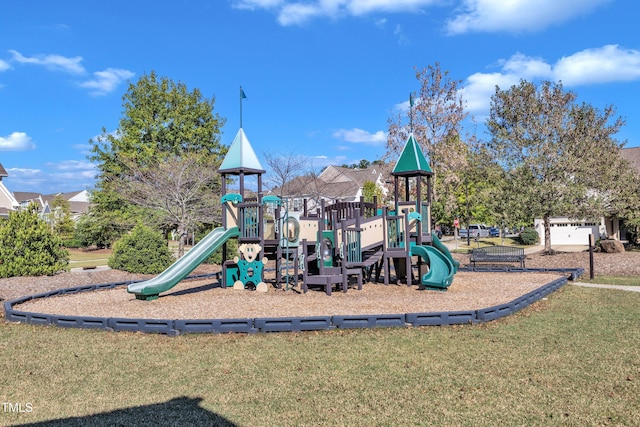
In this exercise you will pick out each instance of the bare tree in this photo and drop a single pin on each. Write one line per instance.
(284, 169)
(181, 191)
(436, 118)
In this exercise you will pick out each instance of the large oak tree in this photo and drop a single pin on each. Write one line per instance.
(560, 157)
(165, 131)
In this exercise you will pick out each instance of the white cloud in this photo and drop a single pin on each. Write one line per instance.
(106, 81)
(517, 15)
(17, 141)
(257, 4)
(23, 173)
(4, 65)
(52, 62)
(609, 63)
(74, 165)
(102, 82)
(63, 176)
(360, 136)
(300, 12)
(606, 64)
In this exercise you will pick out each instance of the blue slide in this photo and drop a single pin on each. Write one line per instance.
(441, 269)
(150, 289)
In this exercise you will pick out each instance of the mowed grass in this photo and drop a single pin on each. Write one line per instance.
(82, 258)
(485, 241)
(571, 359)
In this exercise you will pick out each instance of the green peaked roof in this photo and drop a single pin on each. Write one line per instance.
(241, 157)
(412, 161)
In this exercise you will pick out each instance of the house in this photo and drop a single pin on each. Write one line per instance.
(8, 203)
(78, 202)
(568, 231)
(334, 184)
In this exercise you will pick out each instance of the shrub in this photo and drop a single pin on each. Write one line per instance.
(28, 246)
(141, 251)
(232, 251)
(529, 236)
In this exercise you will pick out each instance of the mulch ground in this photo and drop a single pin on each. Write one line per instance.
(467, 286)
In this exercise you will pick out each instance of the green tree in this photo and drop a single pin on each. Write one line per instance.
(109, 217)
(28, 246)
(557, 155)
(162, 123)
(141, 251)
(61, 220)
(371, 190)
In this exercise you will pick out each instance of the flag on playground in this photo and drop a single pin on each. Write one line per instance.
(411, 100)
(242, 95)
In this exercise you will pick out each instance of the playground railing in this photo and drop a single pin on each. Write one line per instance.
(248, 220)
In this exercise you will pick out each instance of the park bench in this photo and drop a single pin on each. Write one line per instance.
(497, 254)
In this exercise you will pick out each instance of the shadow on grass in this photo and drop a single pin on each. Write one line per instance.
(181, 411)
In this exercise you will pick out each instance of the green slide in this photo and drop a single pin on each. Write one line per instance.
(442, 248)
(441, 270)
(150, 289)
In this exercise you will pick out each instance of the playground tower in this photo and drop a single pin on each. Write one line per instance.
(241, 211)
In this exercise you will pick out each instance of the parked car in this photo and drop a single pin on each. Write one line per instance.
(475, 230)
(494, 232)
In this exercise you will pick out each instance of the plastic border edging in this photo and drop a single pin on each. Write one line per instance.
(281, 324)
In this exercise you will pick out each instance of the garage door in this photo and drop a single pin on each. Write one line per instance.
(571, 233)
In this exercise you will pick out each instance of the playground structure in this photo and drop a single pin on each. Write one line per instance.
(338, 244)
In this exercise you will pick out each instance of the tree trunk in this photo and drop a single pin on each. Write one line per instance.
(547, 234)
(182, 235)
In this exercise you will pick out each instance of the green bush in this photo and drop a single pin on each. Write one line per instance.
(28, 246)
(232, 251)
(529, 236)
(141, 251)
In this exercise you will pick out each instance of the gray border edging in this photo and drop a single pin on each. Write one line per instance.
(283, 324)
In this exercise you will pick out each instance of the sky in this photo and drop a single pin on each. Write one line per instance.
(321, 77)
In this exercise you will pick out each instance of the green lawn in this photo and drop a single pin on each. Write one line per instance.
(488, 241)
(88, 258)
(570, 359)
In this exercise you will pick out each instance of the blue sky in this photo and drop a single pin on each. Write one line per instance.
(322, 77)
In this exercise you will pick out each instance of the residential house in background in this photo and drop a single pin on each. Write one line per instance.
(569, 231)
(78, 202)
(334, 184)
(8, 203)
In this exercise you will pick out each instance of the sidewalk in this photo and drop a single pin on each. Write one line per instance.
(595, 285)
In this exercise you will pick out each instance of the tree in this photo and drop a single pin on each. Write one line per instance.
(182, 192)
(61, 220)
(163, 123)
(556, 154)
(284, 169)
(109, 217)
(28, 246)
(371, 190)
(436, 118)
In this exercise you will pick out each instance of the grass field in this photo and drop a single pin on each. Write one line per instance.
(571, 359)
(462, 246)
(79, 258)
